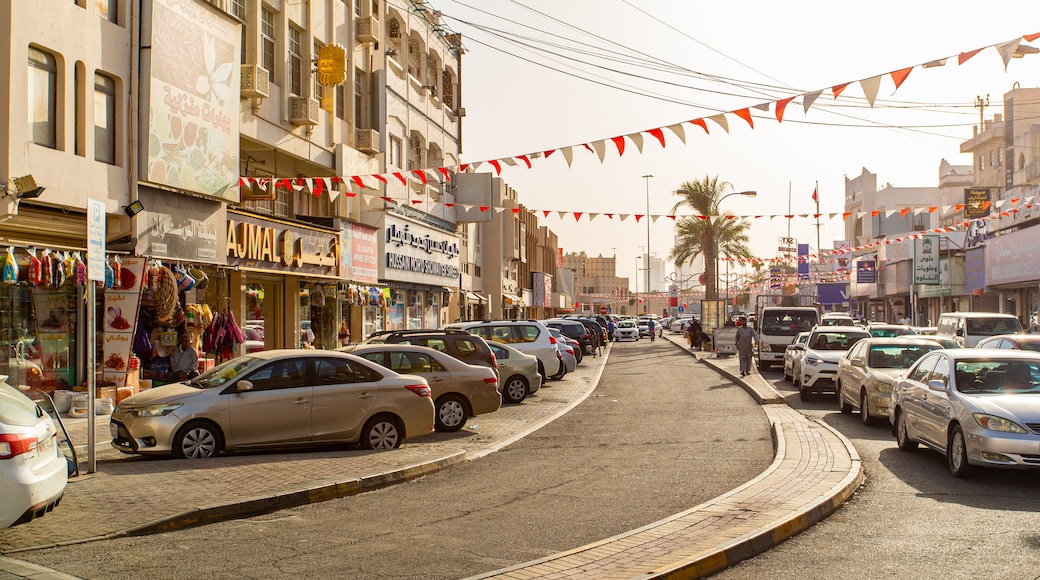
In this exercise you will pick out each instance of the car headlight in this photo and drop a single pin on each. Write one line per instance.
(994, 423)
(813, 361)
(883, 386)
(154, 410)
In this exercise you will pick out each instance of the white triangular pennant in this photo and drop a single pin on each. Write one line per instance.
(1007, 50)
(637, 139)
(568, 154)
(679, 131)
(721, 121)
(870, 88)
(601, 149)
(808, 99)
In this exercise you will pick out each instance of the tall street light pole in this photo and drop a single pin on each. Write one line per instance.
(715, 231)
(647, 262)
(637, 283)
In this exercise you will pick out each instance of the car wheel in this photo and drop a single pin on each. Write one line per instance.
(787, 375)
(803, 394)
(381, 432)
(578, 355)
(541, 371)
(864, 412)
(844, 406)
(563, 372)
(903, 440)
(957, 455)
(515, 389)
(451, 413)
(197, 440)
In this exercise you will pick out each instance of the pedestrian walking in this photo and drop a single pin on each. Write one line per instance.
(611, 327)
(696, 334)
(745, 340)
(652, 328)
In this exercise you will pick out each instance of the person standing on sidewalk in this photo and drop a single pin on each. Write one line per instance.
(651, 328)
(745, 340)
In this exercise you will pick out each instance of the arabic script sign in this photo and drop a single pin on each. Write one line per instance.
(261, 244)
(976, 202)
(926, 260)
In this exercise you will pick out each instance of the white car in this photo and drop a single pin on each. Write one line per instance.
(33, 470)
(793, 355)
(819, 368)
(626, 330)
(528, 336)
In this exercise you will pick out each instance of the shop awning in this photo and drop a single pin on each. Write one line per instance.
(511, 299)
(474, 297)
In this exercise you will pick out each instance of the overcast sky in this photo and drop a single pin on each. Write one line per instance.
(597, 69)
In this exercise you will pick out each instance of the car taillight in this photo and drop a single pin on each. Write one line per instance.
(552, 339)
(491, 381)
(15, 445)
(587, 337)
(494, 361)
(421, 390)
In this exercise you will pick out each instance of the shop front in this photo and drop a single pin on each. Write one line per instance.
(1013, 273)
(421, 268)
(364, 304)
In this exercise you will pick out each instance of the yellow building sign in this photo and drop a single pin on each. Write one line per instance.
(332, 65)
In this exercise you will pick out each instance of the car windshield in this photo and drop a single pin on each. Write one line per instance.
(835, 340)
(787, 323)
(897, 356)
(626, 324)
(997, 376)
(993, 326)
(221, 375)
(889, 331)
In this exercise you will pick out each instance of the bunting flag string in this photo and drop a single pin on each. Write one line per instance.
(869, 86)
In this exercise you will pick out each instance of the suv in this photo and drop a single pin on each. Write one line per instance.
(459, 344)
(576, 330)
(968, 328)
(528, 336)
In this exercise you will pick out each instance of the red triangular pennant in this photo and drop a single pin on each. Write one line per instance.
(620, 143)
(745, 114)
(780, 106)
(900, 75)
(964, 56)
(659, 134)
(700, 123)
(837, 89)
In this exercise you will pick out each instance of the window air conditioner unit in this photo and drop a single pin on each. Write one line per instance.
(256, 83)
(303, 110)
(367, 29)
(367, 140)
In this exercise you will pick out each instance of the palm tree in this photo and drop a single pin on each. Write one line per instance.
(704, 233)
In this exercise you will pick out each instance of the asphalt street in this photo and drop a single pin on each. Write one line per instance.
(660, 434)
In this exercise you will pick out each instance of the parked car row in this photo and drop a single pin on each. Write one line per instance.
(393, 386)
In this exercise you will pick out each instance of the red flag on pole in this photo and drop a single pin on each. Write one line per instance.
(814, 194)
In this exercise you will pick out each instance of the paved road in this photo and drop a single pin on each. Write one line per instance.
(911, 519)
(657, 436)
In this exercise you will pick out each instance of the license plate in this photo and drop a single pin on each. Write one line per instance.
(46, 445)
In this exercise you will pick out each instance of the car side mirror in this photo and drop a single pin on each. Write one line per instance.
(959, 332)
(856, 362)
(936, 385)
(242, 386)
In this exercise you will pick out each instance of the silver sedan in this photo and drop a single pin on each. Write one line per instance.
(866, 372)
(979, 407)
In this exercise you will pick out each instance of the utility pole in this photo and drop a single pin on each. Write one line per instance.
(981, 105)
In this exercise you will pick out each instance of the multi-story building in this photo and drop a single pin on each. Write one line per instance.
(597, 285)
(219, 137)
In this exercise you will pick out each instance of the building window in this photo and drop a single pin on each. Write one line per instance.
(107, 9)
(993, 159)
(267, 37)
(319, 90)
(395, 151)
(43, 94)
(295, 62)
(341, 101)
(982, 162)
(104, 119)
(1000, 157)
(375, 8)
(359, 93)
(78, 95)
(238, 10)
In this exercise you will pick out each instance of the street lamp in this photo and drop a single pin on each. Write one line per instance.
(637, 283)
(715, 232)
(647, 264)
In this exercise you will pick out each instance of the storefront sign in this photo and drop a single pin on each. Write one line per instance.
(256, 243)
(866, 272)
(417, 253)
(120, 321)
(360, 254)
(541, 289)
(926, 260)
(1012, 258)
(975, 270)
(180, 227)
(978, 232)
(976, 202)
(833, 293)
(191, 98)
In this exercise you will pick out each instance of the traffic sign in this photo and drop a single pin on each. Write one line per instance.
(95, 240)
(602, 309)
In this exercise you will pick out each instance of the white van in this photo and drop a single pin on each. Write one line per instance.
(968, 328)
(777, 327)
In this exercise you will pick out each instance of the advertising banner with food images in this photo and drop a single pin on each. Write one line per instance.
(47, 362)
(120, 320)
(190, 119)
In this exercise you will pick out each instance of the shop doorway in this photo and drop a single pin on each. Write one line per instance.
(264, 324)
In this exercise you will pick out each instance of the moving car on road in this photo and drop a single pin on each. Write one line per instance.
(866, 371)
(978, 407)
(626, 330)
(1012, 341)
(276, 398)
(819, 367)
